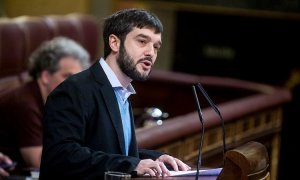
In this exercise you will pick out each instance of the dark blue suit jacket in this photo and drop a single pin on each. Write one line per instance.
(83, 133)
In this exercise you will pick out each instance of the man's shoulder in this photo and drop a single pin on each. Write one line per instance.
(27, 92)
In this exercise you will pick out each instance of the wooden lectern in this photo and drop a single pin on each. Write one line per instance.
(247, 162)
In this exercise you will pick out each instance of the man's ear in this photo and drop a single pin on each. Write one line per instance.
(114, 43)
(45, 76)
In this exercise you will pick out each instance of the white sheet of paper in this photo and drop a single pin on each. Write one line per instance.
(202, 172)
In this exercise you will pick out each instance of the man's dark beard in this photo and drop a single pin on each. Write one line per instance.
(128, 67)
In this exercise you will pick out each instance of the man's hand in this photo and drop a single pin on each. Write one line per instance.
(153, 168)
(4, 160)
(175, 163)
(157, 168)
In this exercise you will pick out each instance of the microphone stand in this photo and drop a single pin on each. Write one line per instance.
(216, 109)
(202, 130)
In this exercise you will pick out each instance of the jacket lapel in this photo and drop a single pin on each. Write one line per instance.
(111, 102)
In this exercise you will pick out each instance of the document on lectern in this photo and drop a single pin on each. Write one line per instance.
(202, 172)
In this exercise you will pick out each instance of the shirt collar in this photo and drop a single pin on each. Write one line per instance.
(114, 81)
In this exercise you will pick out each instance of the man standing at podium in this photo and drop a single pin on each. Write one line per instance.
(88, 121)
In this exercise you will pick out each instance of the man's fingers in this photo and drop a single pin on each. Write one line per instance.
(3, 173)
(172, 161)
(165, 171)
(175, 163)
(148, 166)
(150, 171)
(157, 168)
(181, 165)
(4, 158)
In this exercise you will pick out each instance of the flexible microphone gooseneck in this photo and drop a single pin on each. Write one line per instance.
(216, 109)
(202, 130)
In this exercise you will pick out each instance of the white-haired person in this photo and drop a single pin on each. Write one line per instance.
(22, 109)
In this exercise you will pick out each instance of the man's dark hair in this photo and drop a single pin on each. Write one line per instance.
(122, 22)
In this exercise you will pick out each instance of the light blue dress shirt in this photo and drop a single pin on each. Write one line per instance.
(122, 95)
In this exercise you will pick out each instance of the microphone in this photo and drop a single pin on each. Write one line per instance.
(216, 109)
(200, 114)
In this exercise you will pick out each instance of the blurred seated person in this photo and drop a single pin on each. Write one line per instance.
(4, 160)
(21, 109)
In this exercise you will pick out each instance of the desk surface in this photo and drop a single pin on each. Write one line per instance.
(180, 178)
(207, 174)
(138, 178)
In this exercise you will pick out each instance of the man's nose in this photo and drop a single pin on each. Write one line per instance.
(150, 51)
